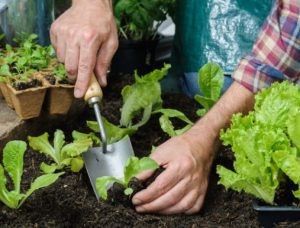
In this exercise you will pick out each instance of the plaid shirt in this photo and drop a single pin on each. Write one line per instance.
(276, 52)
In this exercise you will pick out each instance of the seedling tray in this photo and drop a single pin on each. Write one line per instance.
(269, 215)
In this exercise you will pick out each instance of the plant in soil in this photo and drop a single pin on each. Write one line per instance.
(140, 19)
(64, 155)
(134, 166)
(265, 144)
(13, 155)
(20, 63)
(210, 81)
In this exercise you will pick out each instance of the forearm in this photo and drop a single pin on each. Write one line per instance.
(236, 99)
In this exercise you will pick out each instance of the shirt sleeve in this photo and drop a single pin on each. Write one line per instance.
(276, 53)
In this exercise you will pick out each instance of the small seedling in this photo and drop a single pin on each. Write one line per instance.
(64, 155)
(13, 155)
(210, 80)
(134, 166)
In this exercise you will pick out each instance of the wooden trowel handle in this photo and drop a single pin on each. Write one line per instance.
(94, 89)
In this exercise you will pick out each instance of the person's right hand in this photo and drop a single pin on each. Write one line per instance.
(85, 39)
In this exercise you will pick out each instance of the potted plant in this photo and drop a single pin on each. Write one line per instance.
(266, 147)
(59, 97)
(138, 22)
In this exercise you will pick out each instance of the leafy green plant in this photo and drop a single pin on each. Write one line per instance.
(13, 155)
(140, 19)
(144, 96)
(64, 155)
(210, 80)
(20, 63)
(166, 124)
(265, 144)
(133, 167)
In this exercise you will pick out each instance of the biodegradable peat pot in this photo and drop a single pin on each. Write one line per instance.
(134, 55)
(27, 103)
(1, 95)
(269, 215)
(59, 97)
(6, 94)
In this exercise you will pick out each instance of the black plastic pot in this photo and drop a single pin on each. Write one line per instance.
(134, 55)
(269, 215)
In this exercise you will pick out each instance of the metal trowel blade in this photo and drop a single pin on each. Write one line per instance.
(111, 163)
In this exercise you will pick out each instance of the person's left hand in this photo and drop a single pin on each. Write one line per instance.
(182, 186)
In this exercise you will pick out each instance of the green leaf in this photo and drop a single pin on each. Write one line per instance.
(59, 141)
(238, 183)
(41, 182)
(13, 154)
(128, 191)
(144, 93)
(76, 164)
(134, 166)
(45, 168)
(294, 129)
(76, 148)
(207, 103)
(274, 106)
(289, 163)
(102, 184)
(210, 80)
(297, 193)
(41, 144)
(113, 132)
(4, 197)
(167, 125)
(79, 136)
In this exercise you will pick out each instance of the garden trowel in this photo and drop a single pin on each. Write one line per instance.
(107, 160)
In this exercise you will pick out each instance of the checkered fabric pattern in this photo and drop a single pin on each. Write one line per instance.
(276, 52)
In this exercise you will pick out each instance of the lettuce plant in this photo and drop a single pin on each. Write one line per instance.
(265, 144)
(210, 80)
(64, 155)
(133, 167)
(13, 155)
(166, 124)
(144, 96)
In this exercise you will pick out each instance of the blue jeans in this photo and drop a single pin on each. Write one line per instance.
(188, 84)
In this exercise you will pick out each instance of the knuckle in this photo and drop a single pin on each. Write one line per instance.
(71, 71)
(83, 67)
(186, 164)
(88, 34)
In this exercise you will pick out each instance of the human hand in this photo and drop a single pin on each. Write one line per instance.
(182, 186)
(85, 39)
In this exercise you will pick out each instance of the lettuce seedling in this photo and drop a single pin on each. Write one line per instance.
(265, 143)
(13, 156)
(143, 97)
(134, 166)
(210, 80)
(113, 132)
(64, 155)
(166, 124)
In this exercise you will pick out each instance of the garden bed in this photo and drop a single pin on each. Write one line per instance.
(70, 202)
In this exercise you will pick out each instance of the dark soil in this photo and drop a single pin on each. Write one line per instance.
(70, 202)
(54, 80)
(21, 85)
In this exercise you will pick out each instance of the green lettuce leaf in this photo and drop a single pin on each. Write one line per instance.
(143, 95)
(210, 81)
(294, 129)
(167, 125)
(13, 154)
(113, 132)
(102, 184)
(41, 182)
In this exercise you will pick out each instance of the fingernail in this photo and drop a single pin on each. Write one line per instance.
(77, 93)
(140, 209)
(136, 201)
